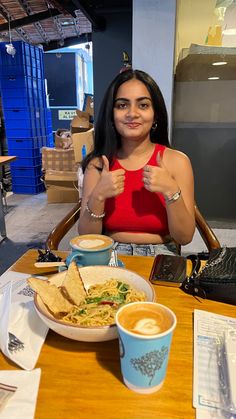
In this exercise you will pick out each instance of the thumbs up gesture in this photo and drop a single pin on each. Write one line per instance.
(157, 178)
(111, 183)
(105, 164)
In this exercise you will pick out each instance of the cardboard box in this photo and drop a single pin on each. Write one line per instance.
(83, 143)
(80, 122)
(58, 159)
(61, 186)
(53, 176)
(59, 194)
(63, 138)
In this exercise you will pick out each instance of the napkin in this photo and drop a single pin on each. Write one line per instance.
(23, 402)
(18, 316)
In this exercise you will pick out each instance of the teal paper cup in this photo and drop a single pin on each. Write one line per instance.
(145, 333)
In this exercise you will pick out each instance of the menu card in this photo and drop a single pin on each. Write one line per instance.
(210, 387)
(18, 316)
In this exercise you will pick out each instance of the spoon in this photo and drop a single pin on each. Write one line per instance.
(49, 264)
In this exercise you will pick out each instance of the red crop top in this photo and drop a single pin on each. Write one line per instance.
(136, 209)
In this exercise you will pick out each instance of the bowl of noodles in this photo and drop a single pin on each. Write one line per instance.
(89, 317)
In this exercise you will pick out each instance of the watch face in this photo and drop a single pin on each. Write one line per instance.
(174, 197)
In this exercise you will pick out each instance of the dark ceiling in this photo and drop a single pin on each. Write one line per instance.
(53, 23)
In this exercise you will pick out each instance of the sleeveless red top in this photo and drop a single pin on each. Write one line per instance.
(136, 209)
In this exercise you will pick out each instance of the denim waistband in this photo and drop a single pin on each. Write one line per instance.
(145, 249)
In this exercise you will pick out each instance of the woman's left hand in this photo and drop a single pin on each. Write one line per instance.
(158, 178)
(170, 176)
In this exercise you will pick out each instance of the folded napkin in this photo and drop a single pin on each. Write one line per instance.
(18, 316)
(23, 402)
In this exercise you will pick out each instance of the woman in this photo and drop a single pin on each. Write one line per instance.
(136, 188)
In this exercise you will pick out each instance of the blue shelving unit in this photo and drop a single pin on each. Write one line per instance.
(27, 120)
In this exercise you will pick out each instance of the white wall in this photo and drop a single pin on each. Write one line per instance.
(154, 42)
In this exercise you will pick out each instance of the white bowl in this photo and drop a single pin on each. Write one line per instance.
(92, 275)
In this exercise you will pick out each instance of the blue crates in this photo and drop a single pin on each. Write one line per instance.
(20, 59)
(45, 142)
(48, 117)
(33, 52)
(23, 101)
(24, 143)
(24, 117)
(27, 61)
(41, 92)
(34, 72)
(24, 122)
(16, 92)
(28, 189)
(19, 92)
(27, 162)
(16, 70)
(24, 152)
(33, 171)
(49, 130)
(18, 82)
(41, 65)
(34, 84)
(38, 52)
(50, 140)
(20, 132)
(19, 123)
(26, 180)
(41, 101)
(39, 73)
(24, 107)
(48, 126)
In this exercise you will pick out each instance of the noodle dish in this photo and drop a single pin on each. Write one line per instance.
(81, 303)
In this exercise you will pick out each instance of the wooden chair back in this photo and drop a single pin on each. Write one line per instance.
(62, 228)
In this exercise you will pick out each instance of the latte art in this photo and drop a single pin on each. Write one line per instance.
(146, 327)
(145, 319)
(89, 244)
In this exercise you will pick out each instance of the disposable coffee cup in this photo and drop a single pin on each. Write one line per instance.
(145, 334)
(90, 249)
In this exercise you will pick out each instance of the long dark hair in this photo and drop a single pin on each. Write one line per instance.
(107, 140)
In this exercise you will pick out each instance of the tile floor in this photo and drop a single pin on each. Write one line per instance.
(30, 218)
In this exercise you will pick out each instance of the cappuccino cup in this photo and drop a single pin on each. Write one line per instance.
(90, 249)
(145, 333)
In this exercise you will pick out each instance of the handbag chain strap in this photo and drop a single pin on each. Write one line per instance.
(219, 259)
(191, 285)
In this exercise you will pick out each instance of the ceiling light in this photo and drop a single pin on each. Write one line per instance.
(213, 78)
(61, 43)
(10, 49)
(220, 63)
(67, 23)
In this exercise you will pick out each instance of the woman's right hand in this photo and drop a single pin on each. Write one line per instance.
(111, 183)
(98, 185)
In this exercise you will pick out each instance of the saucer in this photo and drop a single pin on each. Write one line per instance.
(120, 263)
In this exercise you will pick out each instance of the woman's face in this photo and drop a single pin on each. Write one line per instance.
(133, 110)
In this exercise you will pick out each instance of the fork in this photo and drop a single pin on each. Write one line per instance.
(14, 344)
(114, 259)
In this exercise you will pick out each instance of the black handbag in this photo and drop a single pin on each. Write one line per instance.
(217, 279)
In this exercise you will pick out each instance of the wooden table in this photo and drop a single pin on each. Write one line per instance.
(4, 160)
(83, 380)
